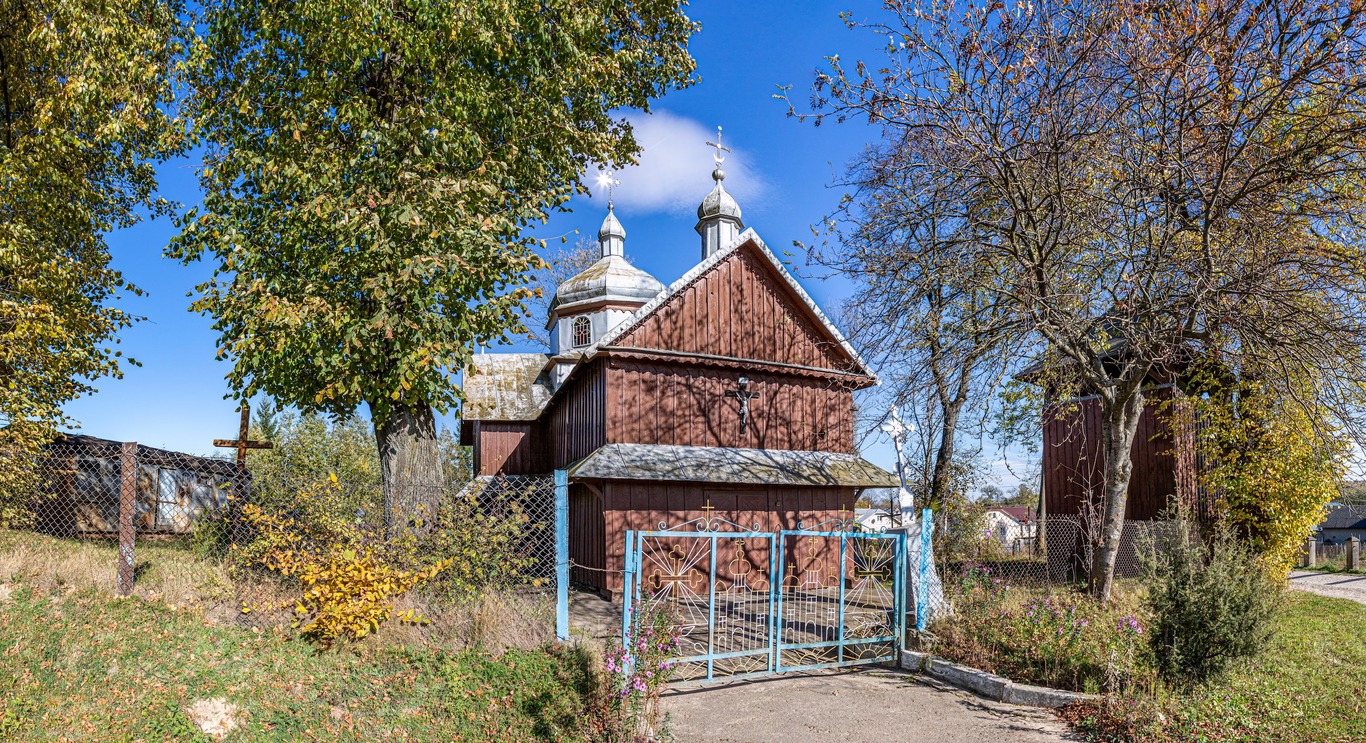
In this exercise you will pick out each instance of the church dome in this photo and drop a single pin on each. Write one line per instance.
(718, 203)
(612, 280)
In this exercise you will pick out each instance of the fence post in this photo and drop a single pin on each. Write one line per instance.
(128, 498)
(1354, 553)
(561, 555)
(1311, 550)
(922, 588)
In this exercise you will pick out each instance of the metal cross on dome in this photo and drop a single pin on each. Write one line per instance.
(718, 157)
(608, 179)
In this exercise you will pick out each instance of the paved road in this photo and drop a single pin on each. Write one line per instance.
(870, 706)
(1337, 585)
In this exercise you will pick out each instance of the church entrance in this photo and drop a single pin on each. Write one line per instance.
(748, 602)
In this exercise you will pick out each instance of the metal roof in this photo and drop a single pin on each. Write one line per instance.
(506, 387)
(1345, 517)
(728, 465)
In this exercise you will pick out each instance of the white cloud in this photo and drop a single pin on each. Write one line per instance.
(674, 172)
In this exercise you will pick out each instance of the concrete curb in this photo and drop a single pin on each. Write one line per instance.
(991, 686)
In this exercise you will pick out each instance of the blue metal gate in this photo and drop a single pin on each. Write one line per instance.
(748, 602)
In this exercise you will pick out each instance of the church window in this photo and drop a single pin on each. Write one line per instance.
(583, 332)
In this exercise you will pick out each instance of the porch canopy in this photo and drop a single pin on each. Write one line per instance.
(731, 466)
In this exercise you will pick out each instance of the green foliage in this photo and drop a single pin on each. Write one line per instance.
(1211, 603)
(85, 112)
(1058, 640)
(373, 169)
(311, 449)
(482, 542)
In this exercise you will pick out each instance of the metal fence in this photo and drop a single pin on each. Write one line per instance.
(498, 532)
(1060, 552)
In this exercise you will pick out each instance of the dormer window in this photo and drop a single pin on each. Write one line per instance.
(583, 332)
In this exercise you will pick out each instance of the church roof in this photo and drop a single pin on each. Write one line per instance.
(506, 387)
(730, 465)
(748, 236)
(611, 279)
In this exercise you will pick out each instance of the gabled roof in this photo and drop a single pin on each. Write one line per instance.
(729, 465)
(506, 387)
(1020, 514)
(1345, 517)
(751, 237)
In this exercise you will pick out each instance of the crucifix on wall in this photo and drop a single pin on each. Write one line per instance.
(242, 443)
(744, 396)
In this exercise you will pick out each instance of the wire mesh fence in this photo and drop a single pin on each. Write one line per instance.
(486, 540)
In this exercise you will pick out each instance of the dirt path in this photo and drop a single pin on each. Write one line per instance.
(1336, 585)
(870, 706)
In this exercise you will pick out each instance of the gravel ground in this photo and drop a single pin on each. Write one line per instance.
(1336, 585)
(868, 706)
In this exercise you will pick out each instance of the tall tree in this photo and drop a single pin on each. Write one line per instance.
(1163, 181)
(372, 170)
(85, 95)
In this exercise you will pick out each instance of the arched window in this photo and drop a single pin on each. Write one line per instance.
(583, 332)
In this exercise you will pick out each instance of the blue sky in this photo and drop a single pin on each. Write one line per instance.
(781, 173)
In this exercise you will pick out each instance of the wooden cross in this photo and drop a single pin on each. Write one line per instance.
(242, 443)
(744, 396)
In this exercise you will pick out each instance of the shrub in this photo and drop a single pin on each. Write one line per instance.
(635, 677)
(348, 584)
(1211, 604)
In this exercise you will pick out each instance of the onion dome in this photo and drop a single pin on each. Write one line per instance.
(611, 281)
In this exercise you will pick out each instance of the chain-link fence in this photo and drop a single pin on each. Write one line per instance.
(1059, 551)
(485, 546)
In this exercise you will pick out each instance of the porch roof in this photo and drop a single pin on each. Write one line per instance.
(730, 466)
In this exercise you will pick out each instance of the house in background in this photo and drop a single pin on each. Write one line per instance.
(1015, 527)
(83, 479)
(1343, 523)
(726, 394)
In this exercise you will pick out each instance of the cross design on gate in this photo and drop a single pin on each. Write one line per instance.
(811, 571)
(881, 571)
(744, 396)
(677, 576)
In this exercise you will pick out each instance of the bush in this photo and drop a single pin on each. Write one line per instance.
(1211, 604)
(635, 676)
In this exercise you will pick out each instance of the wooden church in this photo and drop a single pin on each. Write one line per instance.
(727, 393)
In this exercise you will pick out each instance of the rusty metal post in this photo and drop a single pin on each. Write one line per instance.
(128, 496)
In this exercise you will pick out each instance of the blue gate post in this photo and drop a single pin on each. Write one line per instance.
(922, 589)
(899, 591)
(561, 555)
(628, 587)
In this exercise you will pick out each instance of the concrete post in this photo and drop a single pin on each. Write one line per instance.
(1311, 553)
(1354, 553)
(128, 494)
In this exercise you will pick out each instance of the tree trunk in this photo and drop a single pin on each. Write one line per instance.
(410, 462)
(941, 478)
(1119, 424)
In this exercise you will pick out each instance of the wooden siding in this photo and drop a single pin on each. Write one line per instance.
(574, 424)
(674, 403)
(643, 506)
(586, 536)
(740, 309)
(1074, 470)
(507, 447)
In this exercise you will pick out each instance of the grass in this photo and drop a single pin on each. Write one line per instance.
(1306, 685)
(80, 664)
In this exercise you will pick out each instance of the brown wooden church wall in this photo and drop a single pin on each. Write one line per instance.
(643, 505)
(1074, 471)
(573, 426)
(664, 403)
(738, 310)
(508, 448)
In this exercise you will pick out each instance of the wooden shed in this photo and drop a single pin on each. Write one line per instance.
(82, 482)
(727, 394)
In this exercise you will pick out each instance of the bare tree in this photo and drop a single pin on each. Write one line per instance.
(1143, 183)
(560, 266)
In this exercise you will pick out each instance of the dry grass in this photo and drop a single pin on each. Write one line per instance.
(494, 621)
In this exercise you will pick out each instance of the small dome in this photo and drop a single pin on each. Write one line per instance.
(719, 203)
(611, 227)
(611, 279)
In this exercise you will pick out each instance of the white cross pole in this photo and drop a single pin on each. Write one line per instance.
(895, 428)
